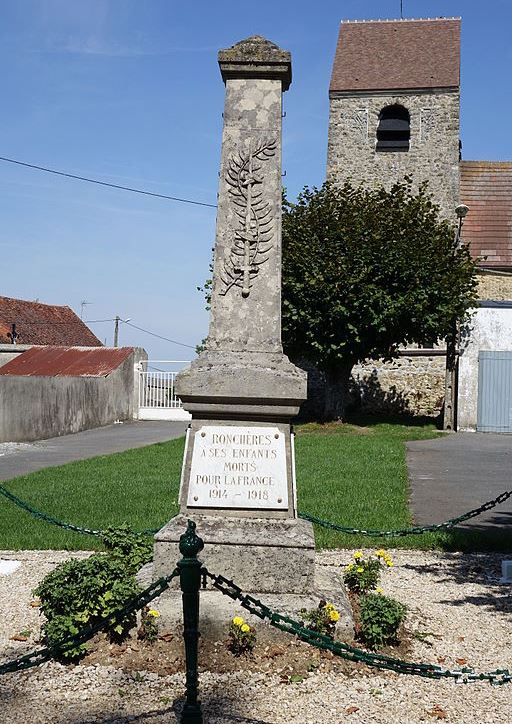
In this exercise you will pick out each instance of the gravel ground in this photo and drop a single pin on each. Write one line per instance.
(453, 597)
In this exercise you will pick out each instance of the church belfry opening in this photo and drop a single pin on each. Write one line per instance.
(394, 129)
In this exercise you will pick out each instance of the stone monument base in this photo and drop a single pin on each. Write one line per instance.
(263, 555)
(216, 610)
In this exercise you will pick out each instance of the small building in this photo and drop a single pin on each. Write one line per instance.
(49, 391)
(24, 324)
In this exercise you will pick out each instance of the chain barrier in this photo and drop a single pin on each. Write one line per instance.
(345, 651)
(44, 516)
(415, 530)
(38, 657)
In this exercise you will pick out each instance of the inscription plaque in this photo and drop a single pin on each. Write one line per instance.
(238, 467)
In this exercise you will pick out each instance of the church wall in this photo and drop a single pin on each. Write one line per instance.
(434, 143)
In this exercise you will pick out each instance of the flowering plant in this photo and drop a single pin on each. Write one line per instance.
(148, 630)
(362, 575)
(242, 637)
(322, 619)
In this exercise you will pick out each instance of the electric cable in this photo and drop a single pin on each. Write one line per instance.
(105, 183)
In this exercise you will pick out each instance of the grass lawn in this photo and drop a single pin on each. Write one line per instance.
(353, 475)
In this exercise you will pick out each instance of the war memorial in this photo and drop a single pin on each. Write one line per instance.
(238, 477)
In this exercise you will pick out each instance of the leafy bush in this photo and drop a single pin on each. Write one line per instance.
(81, 592)
(380, 617)
(322, 619)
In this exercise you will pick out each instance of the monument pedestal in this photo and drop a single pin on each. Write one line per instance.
(259, 555)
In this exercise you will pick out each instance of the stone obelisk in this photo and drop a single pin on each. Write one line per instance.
(238, 481)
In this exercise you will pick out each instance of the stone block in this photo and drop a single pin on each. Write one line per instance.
(258, 554)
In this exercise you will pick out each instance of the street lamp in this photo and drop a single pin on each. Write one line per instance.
(461, 211)
(116, 327)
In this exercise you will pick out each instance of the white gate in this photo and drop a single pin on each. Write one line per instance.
(157, 396)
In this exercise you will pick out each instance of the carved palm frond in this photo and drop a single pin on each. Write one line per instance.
(252, 240)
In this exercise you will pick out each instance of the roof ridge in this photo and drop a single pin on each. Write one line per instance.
(484, 161)
(401, 20)
(36, 301)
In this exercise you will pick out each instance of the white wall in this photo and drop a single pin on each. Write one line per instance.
(490, 329)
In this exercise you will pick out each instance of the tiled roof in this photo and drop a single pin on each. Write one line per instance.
(397, 54)
(486, 187)
(67, 362)
(38, 323)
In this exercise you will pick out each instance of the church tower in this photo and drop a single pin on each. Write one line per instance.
(394, 105)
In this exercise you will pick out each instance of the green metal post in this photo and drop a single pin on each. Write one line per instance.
(190, 581)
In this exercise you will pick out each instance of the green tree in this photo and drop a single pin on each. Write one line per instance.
(364, 272)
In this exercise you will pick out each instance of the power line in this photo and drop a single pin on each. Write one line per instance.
(105, 183)
(153, 334)
(97, 321)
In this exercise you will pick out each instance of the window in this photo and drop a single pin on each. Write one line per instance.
(394, 129)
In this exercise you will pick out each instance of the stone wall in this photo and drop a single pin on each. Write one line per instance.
(405, 386)
(434, 143)
(495, 286)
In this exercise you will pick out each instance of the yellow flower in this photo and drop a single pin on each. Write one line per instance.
(350, 567)
(244, 628)
(334, 615)
(358, 555)
(360, 569)
(153, 613)
(389, 563)
(238, 621)
(329, 606)
(379, 590)
(381, 553)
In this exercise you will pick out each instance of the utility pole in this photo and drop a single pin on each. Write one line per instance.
(452, 343)
(118, 319)
(116, 330)
(401, 9)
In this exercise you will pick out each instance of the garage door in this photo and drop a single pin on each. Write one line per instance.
(494, 392)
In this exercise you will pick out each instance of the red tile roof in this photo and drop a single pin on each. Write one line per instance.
(397, 54)
(486, 187)
(38, 323)
(67, 362)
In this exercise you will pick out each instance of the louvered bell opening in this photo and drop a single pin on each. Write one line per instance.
(394, 131)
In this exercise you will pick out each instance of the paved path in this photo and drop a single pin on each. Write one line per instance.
(456, 473)
(22, 459)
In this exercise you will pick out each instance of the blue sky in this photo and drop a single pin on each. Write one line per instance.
(129, 92)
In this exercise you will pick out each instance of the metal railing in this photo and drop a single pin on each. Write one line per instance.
(157, 385)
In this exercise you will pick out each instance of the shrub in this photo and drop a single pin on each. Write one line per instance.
(363, 574)
(242, 637)
(81, 592)
(380, 617)
(322, 619)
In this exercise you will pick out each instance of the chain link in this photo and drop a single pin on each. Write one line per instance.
(415, 530)
(338, 648)
(35, 658)
(44, 516)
